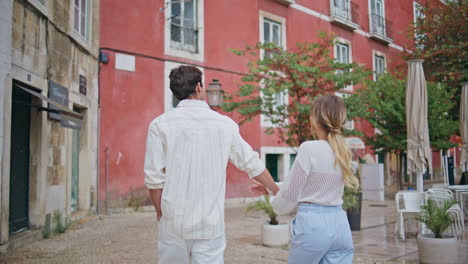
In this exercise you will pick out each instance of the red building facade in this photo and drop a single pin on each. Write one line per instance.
(144, 40)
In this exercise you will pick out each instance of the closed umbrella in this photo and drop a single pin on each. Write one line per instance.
(464, 125)
(419, 150)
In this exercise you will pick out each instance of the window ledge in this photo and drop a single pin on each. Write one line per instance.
(44, 9)
(180, 53)
(380, 38)
(86, 44)
(285, 2)
(343, 22)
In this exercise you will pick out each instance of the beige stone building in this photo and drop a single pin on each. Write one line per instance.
(49, 52)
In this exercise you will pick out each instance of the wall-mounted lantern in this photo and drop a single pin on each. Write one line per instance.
(215, 94)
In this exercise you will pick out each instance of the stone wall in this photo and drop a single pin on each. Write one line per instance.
(44, 47)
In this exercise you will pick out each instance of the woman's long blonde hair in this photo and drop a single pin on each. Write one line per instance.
(329, 113)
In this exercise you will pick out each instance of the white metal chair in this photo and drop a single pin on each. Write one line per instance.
(442, 195)
(408, 204)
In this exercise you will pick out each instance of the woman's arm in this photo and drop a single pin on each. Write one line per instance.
(285, 202)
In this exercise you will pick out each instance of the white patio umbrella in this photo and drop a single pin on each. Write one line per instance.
(419, 151)
(464, 126)
(355, 143)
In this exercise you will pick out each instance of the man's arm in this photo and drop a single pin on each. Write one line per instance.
(155, 195)
(155, 164)
(266, 180)
(244, 158)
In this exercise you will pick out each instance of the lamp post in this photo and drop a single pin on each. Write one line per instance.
(215, 94)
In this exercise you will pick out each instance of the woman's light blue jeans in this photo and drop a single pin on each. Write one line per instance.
(320, 234)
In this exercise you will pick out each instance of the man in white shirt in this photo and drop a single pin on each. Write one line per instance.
(187, 153)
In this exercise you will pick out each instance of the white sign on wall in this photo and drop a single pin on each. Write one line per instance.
(125, 62)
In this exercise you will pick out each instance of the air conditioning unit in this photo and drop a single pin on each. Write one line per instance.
(285, 2)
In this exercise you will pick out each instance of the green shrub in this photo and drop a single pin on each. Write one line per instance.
(264, 206)
(436, 216)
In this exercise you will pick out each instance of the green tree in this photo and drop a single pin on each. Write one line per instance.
(382, 104)
(441, 40)
(302, 74)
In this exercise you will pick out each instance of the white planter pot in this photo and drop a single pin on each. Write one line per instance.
(275, 235)
(437, 250)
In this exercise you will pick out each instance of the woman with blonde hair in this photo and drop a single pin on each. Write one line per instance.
(320, 230)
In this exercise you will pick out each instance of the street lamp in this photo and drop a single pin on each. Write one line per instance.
(215, 94)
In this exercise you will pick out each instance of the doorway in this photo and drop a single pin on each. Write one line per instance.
(19, 160)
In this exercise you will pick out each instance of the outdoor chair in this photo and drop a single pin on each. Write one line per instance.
(408, 204)
(442, 195)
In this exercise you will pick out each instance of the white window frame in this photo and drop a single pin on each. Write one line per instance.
(417, 7)
(83, 41)
(282, 21)
(374, 67)
(349, 125)
(42, 7)
(346, 42)
(336, 11)
(85, 34)
(274, 18)
(284, 159)
(173, 51)
(383, 15)
(168, 66)
(263, 119)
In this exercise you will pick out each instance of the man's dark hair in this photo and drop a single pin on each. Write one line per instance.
(184, 79)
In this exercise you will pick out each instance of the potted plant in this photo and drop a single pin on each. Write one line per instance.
(437, 247)
(352, 204)
(274, 234)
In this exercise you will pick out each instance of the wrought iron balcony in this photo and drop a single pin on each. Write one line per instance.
(380, 28)
(344, 13)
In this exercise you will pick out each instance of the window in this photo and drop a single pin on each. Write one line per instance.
(272, 165)
(279, 100)
(278, 160)
(43, 2)
(417, 12)
(184, 26)
(349, 125)
(379, 66)
(377, 17)
(343, 55)
(342, 8)
(273, 30)
(81, 18)
(271, 33)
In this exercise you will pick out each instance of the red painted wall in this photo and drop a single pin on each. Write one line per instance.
(130, 100)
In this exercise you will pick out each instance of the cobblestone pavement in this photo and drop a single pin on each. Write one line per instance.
(131, 238)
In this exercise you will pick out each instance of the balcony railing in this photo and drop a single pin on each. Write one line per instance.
(345, 13)
(345, 10)
(380, 27)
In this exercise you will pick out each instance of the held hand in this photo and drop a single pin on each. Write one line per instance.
(257, 189)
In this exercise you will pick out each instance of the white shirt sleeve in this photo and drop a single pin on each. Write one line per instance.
(243, 156)
(155, 159)
(286, 200)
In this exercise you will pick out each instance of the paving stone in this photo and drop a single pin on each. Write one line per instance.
(131, 238)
